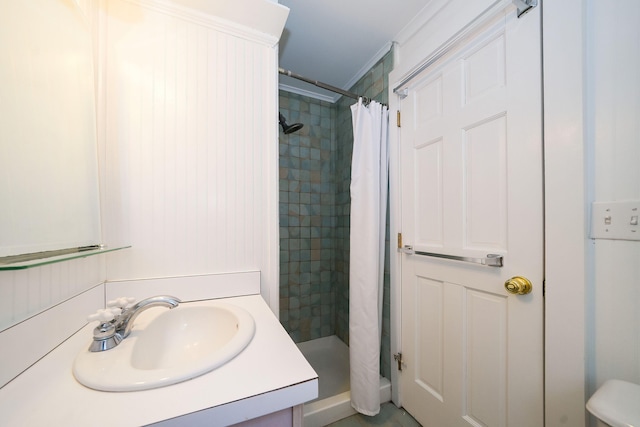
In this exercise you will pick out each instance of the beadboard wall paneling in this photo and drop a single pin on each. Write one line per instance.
(191, 147)
(25, 293)
(614, 90)
(26, 342)
(190, 288)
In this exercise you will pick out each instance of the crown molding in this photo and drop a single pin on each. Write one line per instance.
(309, 93)
(265, 31)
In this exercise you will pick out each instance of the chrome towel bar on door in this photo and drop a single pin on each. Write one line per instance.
(491, 260)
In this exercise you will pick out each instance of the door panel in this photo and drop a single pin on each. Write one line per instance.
(429, 301)
(429, 197)
(471, 170)
(485, 171)
(486, 349)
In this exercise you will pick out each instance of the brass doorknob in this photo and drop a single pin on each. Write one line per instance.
(518, 285)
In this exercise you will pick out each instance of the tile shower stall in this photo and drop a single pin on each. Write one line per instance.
(315, 170)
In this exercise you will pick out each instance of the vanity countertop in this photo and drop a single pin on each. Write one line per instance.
(269, 375)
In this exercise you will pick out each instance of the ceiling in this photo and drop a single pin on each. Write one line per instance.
(337, 41)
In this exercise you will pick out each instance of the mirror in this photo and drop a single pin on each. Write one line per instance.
(49, 197)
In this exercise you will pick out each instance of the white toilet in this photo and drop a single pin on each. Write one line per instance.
(616, 403)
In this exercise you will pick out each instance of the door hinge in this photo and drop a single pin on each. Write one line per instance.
(398, 118)
(398, 358)
(524, 6)
(404, 249)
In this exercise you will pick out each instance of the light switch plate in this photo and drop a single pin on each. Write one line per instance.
(615, 220)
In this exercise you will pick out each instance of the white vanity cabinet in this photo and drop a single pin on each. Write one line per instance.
(267, 382)
(290, 417)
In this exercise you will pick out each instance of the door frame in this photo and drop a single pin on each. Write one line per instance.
(565, 172)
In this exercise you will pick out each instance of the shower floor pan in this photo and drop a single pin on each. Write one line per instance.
(329, 357)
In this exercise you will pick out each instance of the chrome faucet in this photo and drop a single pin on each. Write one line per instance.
(117, 319)
(125, 320)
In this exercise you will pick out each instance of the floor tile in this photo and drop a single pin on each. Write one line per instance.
(389, 416)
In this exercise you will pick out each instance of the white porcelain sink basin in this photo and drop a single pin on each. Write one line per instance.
(168, 346)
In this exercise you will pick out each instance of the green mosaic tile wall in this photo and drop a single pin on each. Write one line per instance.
(307, 218)
(315, 171)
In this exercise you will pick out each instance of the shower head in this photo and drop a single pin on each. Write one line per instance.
(287, 129)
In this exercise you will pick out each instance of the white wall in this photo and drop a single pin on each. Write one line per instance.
(24, 293)
(187, 134)
(613, 117)
(191, 144)
(566, 246)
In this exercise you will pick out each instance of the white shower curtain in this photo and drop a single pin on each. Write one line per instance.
(369, 183)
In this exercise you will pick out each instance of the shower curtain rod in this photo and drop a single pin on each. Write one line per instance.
(324, 85)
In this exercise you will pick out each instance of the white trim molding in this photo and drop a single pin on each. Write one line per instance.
(238, 18)
(565, 214)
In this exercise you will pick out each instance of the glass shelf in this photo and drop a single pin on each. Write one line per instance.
(22, 262)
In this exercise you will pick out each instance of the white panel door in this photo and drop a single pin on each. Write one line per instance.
(471, 160)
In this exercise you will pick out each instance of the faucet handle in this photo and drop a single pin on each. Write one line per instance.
(103, 315)
(117, 311)
(104, 335)
(122, 302)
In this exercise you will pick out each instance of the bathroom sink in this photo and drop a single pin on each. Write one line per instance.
(168, 346)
